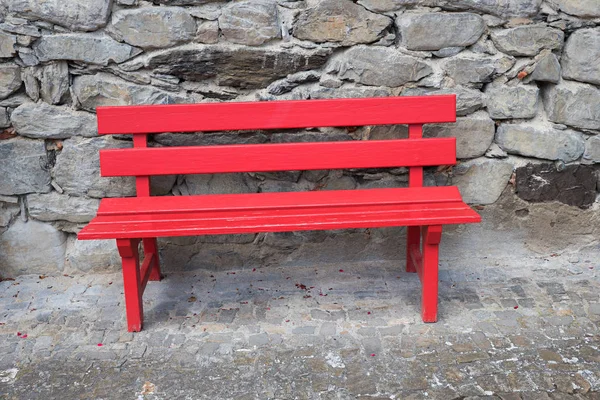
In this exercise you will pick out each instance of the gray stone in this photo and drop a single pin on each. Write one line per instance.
(18, 257)
(32, 86)
(92, 255)
(547, 69)
(152, 27)
(501, 8)
(27, 56)
(340, 21)
(104, 89)
(251, 22)
(24, 167)
(7, 45)
(61, 207)
(43, 121)
(292, 81)
(448, 52)
(379, 66)
(208, 32)
(54, 81)
(219, 183)
(381, 6)
(10, 79)
(436, 31)
(508, 102)
(248, 68)
(20, 26)
(83, 47)
(574, 185)
(546, 143)
(475, 70)
(581, 55)
(467, 100)
(495, 152)
(474, 134)
(579, 8)
(184, 2)
(592, 151)
(7, 213)
(4, 122)
(348, 93)
(77, 169)
(482, 180)
(528, 40)
(73, 14)
(573, 104)
(208, 11)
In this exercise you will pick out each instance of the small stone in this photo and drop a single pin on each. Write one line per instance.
(474, 134)
(4, 122)
(29, 158)
(340, 21)
(54, 81)
(27, 56)
(17, 255)
(448, 52)
(207, 32)
(436, 31)
(528, 40)
(578, 8)
(152, 27)
(56, 207)
(592, 151)
(73, 14)
(217, 184)
(573, 104)
(581, 55)
(7, 45)
(476, 70)
(104, 89)
(482, 181)
(208, 11)
(467, 100)
(43, 121)
(510, 102)
(379, 66)
(547, 69)
(250, 22)
(495, 152)
(574, 185)
(548, 143)
(501, 8)
(20, 28)
(7, 213)
(10, 79)
(83, 47)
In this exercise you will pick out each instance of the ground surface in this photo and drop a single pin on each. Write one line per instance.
(511, 330)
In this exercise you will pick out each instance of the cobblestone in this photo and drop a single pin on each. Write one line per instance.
(529, 331)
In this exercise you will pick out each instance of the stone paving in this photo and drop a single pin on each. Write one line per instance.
(507, 330)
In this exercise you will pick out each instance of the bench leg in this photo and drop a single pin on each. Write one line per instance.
(432, 236)
(150, 247)
(413, 238)
(128, 249)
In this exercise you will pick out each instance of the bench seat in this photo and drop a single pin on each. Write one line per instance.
(149, 217)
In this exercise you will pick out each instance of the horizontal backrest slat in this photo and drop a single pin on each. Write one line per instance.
(278, 157)
(276, 114)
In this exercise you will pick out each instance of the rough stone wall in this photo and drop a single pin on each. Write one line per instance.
(526, 73)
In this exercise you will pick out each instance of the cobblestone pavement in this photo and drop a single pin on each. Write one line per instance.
(507, 330)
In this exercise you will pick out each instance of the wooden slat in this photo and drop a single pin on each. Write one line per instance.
(278, 200)
(415, 174)
(276, 114)
(278, 157)
(367, 218)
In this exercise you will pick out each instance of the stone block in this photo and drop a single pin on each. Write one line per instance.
(250, 22)
(340, 21)
(83, 47)
(573, 104)
(435, 31)
(61, 207)
(24, 167)
(547, 69)
(152, 27)
(578, 8)
(540, 142)
(92, 255)
(10, 79)
(528, 40)
(465, 70)
(73, 14)
(482, 180)
(592, 151)
(467, 100)
(379, 66)
(43, 121)
(508, 102)
(8, 212)
(32, 248)
(474, 134)
(7, 45)
(581, 55)
(501, 8)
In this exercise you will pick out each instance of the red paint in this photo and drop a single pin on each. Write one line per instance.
(144, 218)
(100, 344)
(276, 114)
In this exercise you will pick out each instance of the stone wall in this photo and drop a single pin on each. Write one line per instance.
(526, 73)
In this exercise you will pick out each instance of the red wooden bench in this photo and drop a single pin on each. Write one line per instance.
(144, 218)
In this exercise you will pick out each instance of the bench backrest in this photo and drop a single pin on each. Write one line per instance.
(142, 162)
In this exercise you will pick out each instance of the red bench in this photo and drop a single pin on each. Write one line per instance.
(144, 218)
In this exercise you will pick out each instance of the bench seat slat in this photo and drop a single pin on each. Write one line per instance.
(278, 157)
(185, 222)
(276, 114)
